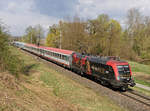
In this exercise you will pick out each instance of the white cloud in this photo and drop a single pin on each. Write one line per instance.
(115, 8)
(19, 15)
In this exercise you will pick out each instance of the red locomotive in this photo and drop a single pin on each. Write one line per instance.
(108, 70)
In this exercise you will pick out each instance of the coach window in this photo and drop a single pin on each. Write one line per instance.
(63, 57)
(67, 58)
(55, 55)
(47, 52)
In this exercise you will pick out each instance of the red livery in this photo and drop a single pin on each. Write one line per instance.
(108, 70)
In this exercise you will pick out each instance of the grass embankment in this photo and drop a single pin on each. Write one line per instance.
(141, 75)
(43, 88)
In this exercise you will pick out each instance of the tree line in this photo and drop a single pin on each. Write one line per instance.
(33, 34)
(101, 36)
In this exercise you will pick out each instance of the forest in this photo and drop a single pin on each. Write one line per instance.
(102, 36)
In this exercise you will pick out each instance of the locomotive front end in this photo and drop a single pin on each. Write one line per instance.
(125, 76)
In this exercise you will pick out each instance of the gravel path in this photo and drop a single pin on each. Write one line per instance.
(117, 97)
(143, 86)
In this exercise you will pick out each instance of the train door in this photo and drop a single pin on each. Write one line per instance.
(76, 62)
(109, 73)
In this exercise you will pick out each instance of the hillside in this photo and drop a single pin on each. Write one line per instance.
(43, 88)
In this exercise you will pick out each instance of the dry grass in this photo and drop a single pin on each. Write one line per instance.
(142, 76)
(33, 96)
(44, 89)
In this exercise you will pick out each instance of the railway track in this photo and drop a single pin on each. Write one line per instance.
(130, 99)
(137, 97)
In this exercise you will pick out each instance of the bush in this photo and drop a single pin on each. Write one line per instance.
(8, 61)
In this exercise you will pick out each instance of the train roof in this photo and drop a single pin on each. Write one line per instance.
(58, 50)
(104, 60)
(18, 42)
(62, 51)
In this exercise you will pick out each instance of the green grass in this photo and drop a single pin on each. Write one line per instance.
(77, 94)
(44, 88)
(143, 69)
(146, 92)
(137, 67)
(138, 80)
(68, 90)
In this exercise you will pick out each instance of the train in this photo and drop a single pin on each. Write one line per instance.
(108, 70)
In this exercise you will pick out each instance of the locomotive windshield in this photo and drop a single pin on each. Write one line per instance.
(123, 70)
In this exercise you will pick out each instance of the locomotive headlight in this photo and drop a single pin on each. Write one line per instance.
(118, 78)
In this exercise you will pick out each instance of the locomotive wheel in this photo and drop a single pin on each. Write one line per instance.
(82, 73)
(124, 88)
(102, 82)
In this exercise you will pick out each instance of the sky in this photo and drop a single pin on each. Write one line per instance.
(19, 14)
